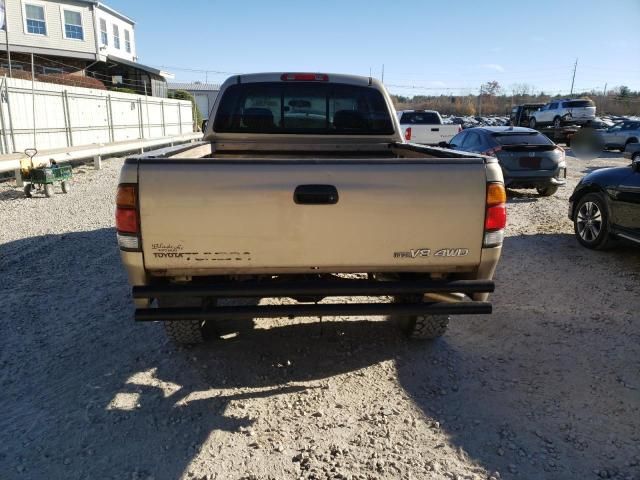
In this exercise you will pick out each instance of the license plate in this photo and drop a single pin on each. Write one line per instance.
(530, 162)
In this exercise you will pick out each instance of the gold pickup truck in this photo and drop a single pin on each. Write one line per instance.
(301, 179)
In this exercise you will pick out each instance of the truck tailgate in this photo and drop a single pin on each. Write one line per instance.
(212, 216)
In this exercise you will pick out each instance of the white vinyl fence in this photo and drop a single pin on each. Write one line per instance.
(72, 116)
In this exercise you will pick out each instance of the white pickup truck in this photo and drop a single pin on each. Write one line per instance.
(425, 127)
(303, 178)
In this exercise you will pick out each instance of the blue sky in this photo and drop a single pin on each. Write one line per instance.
(426, 46)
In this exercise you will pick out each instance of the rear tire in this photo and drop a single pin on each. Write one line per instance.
(631, 140)
(183, 332)
(421, 327)
(425, 327)
(532, 122)
(547, 191)
(66, 187)
(48, 190)
(591, 222)
(28, 190)
(557, 122)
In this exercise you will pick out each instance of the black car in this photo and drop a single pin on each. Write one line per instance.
(527, 157)
(605, 206)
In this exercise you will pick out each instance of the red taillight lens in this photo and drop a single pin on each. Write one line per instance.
(459, 128)
(126, 211)
(496, 218)
(304, 77)
(126, 220)
(407, 134)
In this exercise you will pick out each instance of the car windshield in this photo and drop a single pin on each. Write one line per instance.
(420, 118)
(303, 107)
(533, 138)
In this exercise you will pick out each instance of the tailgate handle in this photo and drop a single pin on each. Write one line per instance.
(435, 129)
(315, 195)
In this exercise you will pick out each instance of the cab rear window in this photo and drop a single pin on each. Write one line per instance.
(303, 107)
(420, 118)
(578, 104)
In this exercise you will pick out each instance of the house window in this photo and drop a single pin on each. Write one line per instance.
(116, 36)
(73, 25)
(127, 41)
(34, 19)
(104, 35)
(52, 70)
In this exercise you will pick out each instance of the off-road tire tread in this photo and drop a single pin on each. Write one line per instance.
(547, 191)
(184, 332)
(427, 327)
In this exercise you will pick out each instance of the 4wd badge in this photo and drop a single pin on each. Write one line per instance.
(426, 252)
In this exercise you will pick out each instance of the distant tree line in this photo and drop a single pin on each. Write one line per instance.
(493, 99)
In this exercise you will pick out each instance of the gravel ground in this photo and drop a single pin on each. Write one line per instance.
(548, 387)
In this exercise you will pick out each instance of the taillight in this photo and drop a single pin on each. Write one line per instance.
(407, 134)
(304, 77)
(495, 219)
(562, 152)
(127, 225)
(492, 151)
(459, 128)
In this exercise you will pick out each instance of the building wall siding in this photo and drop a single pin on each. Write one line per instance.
(122, 26)
(18, 37)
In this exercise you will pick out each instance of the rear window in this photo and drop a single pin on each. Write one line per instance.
(522, 139)
(578, 104)
(420, 118)
(303, 107)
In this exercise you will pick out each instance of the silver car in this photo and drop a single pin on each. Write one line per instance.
(527, 157)
(621, 134)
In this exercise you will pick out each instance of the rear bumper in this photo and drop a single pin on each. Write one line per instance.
(320, 287)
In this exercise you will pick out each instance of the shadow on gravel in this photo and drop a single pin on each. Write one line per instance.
(546, 387)
(88, 393)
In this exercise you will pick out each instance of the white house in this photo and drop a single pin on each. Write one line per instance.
(83, 37)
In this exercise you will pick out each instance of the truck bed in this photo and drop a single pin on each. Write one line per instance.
(236, 212)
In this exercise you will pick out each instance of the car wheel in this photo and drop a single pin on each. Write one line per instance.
(66, 187)
(547, 191)
(48, 190)
(28, 190)
(631, 140)
(557, 122)
(532, 122)
(591, 222)
(183, 332)
(421, 327)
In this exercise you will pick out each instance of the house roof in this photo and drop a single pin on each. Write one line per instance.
(194, 87)
(112, 11)
(140, 66)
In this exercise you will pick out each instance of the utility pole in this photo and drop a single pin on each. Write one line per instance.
(604, 94)
(575, 66)
(480, 103)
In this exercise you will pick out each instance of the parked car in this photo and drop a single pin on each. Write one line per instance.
(520, 114)
(527, 157)
(621, 134)
(301, 177)
(425, 127)
(564, 112)
(605, 206)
